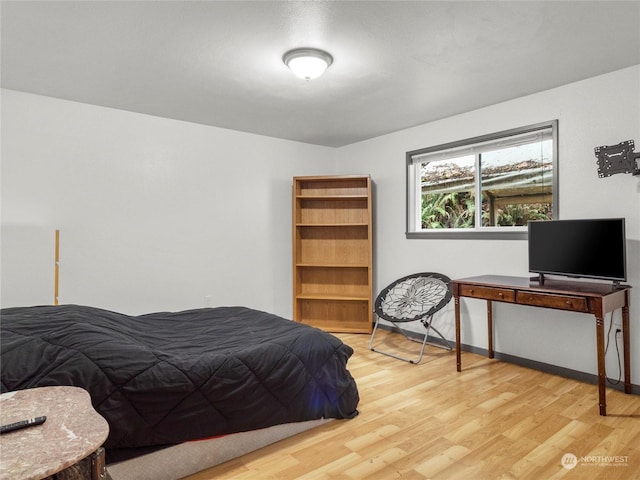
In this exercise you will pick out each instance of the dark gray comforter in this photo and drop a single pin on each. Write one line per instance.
(165, 378)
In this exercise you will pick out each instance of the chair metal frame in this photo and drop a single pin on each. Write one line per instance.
(416, 301)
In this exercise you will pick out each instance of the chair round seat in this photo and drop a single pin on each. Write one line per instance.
(413, 297)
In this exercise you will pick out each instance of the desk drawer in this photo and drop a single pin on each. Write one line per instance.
(488, 293)
(562, 302)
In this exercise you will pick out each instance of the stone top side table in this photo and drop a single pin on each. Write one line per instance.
(72, 432)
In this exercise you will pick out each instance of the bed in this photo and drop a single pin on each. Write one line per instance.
(166, 378)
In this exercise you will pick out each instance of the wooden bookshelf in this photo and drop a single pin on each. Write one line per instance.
(332, 253)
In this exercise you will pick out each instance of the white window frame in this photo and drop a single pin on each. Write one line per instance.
(460, 148)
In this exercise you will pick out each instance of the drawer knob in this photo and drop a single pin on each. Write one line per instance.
(501, 294)
(471, 290)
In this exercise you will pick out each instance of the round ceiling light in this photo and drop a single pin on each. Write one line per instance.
(307, 63)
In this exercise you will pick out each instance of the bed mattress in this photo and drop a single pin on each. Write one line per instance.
(165, 378)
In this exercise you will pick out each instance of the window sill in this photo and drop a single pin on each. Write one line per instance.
(499, 233)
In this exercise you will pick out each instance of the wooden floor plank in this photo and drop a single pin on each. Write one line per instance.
(493, 420)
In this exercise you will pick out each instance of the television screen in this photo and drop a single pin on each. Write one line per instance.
(591, 248)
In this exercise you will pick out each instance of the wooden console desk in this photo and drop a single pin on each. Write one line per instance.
(593, 298)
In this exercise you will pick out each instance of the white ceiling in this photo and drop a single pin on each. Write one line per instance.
(396, 64)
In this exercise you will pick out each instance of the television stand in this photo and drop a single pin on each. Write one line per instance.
(596, 299)
(538, 278)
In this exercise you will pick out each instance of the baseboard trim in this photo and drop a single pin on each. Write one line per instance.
(525, 362)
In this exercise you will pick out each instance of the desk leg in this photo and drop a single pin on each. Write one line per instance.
(490, 327)
(626, 344)
(456, 300)
(602, 376)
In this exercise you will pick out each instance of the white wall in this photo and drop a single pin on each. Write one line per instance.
(27, 258)
(600, 111)
(154, 214)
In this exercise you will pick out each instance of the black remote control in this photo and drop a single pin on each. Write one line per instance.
(22, 424)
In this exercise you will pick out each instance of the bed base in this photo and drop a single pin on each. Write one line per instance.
(191, 457)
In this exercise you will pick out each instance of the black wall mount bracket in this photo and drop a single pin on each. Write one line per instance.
(619, 158)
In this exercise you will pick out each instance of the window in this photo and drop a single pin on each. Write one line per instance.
(484, 187)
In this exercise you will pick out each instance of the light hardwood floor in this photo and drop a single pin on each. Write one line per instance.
(493, 420)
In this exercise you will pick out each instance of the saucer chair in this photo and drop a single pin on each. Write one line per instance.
(414, 298)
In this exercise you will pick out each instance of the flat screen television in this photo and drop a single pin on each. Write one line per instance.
(588, 248)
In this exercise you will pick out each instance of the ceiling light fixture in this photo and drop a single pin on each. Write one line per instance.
(307, 63)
